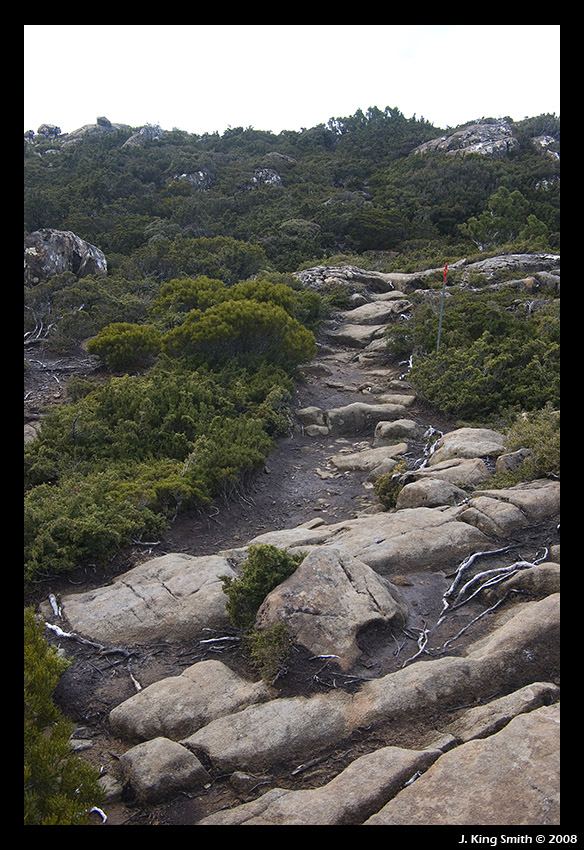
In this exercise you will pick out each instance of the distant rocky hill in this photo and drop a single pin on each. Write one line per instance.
(489, 138)
(371, 182)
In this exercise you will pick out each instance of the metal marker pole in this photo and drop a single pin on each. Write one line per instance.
(442, 307)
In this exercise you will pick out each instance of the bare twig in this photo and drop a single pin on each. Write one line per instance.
(479, 617)
(135, 682)
(422, 641)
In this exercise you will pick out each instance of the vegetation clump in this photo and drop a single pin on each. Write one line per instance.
(59, 788)
(539, 432)
(495, 353)
(388, 486)
(126, 347)
(127, 455)
(265, 568)
(269, 650)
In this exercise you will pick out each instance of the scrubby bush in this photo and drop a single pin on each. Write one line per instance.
(59, 788)
(266, 567)
(120, 461)
(246, 330)
(491, 375)
(269, 650)
(538, 431)
(388, 486)
(494, 353)
(219, 257)
(178, 297)
(126, 347)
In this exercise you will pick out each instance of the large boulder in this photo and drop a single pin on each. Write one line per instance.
(159, 768)
(261, 735)
(356, 335)
(388, 432)
(429, 493)
(50, 252)
(377, 312)
(171, 597)
(368, 459)
(328, 600)
(493, 516)
(464, 472)
(511, 778)
(359, 417)
(177, 706)
(537, 499)
(468, 443)
(358, 791)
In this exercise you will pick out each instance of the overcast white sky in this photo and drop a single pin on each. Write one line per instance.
(205, 78)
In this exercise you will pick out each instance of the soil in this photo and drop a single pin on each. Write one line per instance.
(286, 493)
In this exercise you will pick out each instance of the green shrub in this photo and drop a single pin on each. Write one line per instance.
(92, 515)
(387, 486)
(126, 347)
(494, 354)
(178, 297)
(121, 460)
(59, 788)
(247, 330)
(491, 375)
(268, 650)
(538, 431)
(266, 567)
(219, 257)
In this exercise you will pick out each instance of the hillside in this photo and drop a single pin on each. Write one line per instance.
(363, 183)
(230, 349)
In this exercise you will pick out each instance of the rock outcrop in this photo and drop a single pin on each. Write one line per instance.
(470, 785)
(169, 598)
(428, 787)
(296, 728)
(50, 252)
(328, 600)
(344, 801)
(539, 264)
(102, 127)
(490, 138)
(321, 278)
(176, 706)
(200, 180)
(148, 133)
(210, 718)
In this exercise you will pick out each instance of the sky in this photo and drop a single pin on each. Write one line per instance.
(209, 77)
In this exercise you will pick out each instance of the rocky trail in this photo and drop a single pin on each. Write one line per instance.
(414, 694)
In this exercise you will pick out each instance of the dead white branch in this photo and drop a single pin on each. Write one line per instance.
(477, 618)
